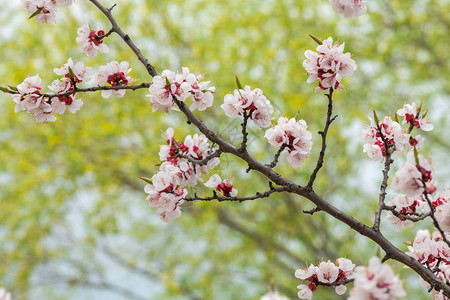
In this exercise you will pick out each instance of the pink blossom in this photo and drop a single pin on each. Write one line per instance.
(91, 41)
(79, 74)
(4, 295)
(329, 65)
(115, 74)
(252, 102)
(443, 211)
(349, 8)
(327, 272)
(30, 100)
(324, 273)
(412, 116)
(225, 187)
(376, 136)
(293, 135)
(167, 189)
(180, 86)
(305, 292)
(410, 178)
(406, 206)
(377, 281)
(273, 296)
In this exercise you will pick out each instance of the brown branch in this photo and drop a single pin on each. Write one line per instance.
(311, 211)
(307, 193)
(99, 88)
(359, 227)
(415, 217)
(239, 199)
(244, 131)
(277, 156)
(387, 166)
(125, 37)
(324, 140)
(433, 217)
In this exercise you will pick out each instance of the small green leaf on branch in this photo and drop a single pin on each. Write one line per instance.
(376, 117)
(316, 39)
(238, 83)
(35, 13)
(148, 180)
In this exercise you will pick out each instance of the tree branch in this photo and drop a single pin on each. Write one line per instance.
(99, 88)
(382, 196)
(239, 199)
(305, 192)
(324, 140)
(415, 217)
(125, 37)
(277, 156)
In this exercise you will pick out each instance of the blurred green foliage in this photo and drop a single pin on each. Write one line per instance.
(74, 221)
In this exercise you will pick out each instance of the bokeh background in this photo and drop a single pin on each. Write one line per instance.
(74, 223)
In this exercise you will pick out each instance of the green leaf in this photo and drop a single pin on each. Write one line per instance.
(396, 118)
(3, 89)
(71, 72)
(416, 156)
(316, 39)
(148, 180)
(376, 117)
(13, 88)
(238, 83)
(35, 13)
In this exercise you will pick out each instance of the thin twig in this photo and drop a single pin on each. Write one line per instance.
(324, 140)
(311, 211)
(238, 199)
(277, 156)
(99, 88)
(415, 217)
(387, 166)
(125, 37)
(433, 217)
(244, 131)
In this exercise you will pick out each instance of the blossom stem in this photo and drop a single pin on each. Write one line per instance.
(99, 88)
(324, 140)
(125, 37)
(239, 199)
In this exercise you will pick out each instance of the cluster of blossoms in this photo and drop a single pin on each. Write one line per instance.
(170, 86)
(406, 206)
(91, 41)
(272, 295)
(349, 8)
(4, 295)
(293, 136)
(251, 103)
(442, 213)
(413, 116)
(326, 273)
(378, 135)
(434, 253)
(377, 281)
(114, 74)
(178, 169)
(225, 187)
(412, 206)
(389, 133)
(28, 97)
(44, 11)
(329, 65)
(412, 178)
